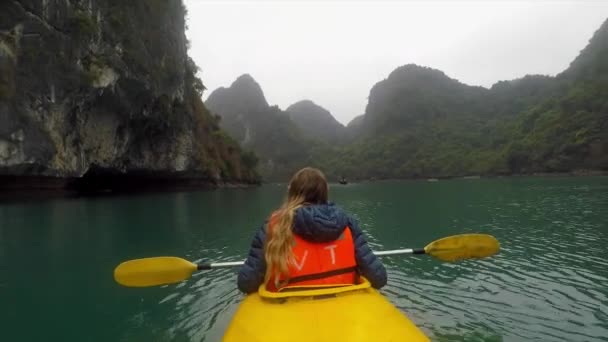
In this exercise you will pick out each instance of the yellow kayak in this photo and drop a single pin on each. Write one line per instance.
(348, 313)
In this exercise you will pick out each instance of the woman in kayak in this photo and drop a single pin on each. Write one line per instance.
(309, 241)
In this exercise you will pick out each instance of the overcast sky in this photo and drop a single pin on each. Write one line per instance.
(334, 52)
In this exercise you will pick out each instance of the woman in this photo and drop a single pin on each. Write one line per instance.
(309, 242)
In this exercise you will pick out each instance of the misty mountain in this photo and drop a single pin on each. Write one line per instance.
(353, 128)
(239, 107)
(568, 128)
(419, 122)
(257, 126)
(355, 123)
(413, 96)
(507, 98)
(591, 64)
(315, 122)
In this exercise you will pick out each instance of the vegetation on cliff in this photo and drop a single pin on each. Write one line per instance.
(421, 123)
(107, 86)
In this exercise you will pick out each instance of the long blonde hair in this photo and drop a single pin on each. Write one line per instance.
(307, 186)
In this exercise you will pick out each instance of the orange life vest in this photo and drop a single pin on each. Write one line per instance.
(326, 263)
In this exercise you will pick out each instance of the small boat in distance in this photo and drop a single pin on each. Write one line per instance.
(343, 181)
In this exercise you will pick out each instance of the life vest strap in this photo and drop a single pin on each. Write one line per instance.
(322, 275)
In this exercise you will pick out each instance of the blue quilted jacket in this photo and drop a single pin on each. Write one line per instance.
(315, 223)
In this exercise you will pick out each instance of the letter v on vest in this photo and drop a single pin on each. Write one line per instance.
(300, 265)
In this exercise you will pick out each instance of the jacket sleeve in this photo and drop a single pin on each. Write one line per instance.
(251, 274)
(369, 264)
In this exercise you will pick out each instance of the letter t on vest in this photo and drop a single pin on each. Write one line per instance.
(333, 253)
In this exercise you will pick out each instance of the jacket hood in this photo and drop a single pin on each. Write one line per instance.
(320, 222)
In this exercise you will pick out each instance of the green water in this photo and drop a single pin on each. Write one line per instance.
(549, 283)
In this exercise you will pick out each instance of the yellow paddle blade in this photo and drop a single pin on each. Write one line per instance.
(464, 246)
(153, 271)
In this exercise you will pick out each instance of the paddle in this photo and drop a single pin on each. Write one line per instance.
(166, 270)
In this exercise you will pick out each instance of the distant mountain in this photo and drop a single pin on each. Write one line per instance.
(315, 122)
(507, 98)
(269, 132)
(568, 129)
(412, 96)
(355, 122)
(353, 128)
(421, 123)
(591, 64)
(415, 124)
(239, 106)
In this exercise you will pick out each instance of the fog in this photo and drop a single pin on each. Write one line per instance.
(334, 52)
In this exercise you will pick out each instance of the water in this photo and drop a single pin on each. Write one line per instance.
(549, 282)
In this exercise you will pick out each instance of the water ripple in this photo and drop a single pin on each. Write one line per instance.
(549, 282)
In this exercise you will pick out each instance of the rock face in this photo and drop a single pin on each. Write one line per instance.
(106, 87)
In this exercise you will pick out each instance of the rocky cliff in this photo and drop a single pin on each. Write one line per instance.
(98, 89)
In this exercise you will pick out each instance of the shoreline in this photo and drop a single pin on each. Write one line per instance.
(31, 188)
(26, 188)
(577, 173)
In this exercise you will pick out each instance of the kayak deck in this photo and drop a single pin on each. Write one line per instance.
(357, 315)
